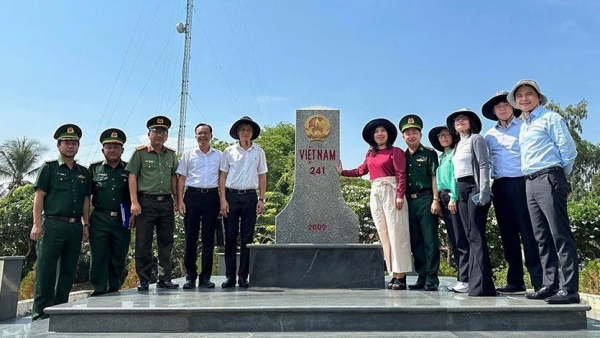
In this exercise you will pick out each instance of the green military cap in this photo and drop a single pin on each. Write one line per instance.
(68, 131)
(159, 122)
(113, 135)
(410, 121)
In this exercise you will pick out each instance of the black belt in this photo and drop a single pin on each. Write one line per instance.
(158, 198)
(203, 190)
(542, 172)
(65, 219)
(109, 212)
(420, 194)
(242, 192)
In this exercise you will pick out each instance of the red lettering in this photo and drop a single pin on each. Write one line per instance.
(317, 227)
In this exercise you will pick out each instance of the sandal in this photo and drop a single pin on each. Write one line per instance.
(391, 283)
(399, 284)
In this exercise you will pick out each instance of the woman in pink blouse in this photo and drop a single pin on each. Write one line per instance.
(386, 165)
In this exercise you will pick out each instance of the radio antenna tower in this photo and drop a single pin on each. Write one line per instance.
(185, 73)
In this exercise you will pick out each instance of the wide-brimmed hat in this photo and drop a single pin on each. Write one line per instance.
(532, 83)
(475, 120)
(370, 127)
(488, 108)
(244, 120)
(435, 140)
(410, 121)
(68, 131)
(113, 135)
(159, 122)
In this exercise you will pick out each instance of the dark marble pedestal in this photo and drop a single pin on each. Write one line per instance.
(317, 266)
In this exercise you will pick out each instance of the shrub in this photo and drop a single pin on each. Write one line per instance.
(27, 287)
(589, 278)
(446, 269)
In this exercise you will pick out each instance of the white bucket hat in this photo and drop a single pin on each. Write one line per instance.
(511, 96)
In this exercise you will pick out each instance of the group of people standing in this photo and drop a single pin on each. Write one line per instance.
(105, 202)
(520, 165)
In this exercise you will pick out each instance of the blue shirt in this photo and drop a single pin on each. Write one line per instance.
(505, 153)
(545, 142)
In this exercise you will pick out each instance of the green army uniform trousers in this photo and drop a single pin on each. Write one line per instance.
(424, 239)
(57, 255)
(159, 214)
(109, 244)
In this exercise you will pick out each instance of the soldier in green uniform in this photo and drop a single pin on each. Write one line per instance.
(61, 207)
(423, 204)
(109, 237)
(152, 187)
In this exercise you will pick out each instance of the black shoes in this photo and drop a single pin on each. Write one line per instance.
(564, 297)
(399, 284)
(228, 283)
(430, 287)
(206, 284)
(417, 286)
(542, 293)
(143, 286)
(189, 284)
(161, 284)
(243, 282)
(511, 290)
(391, 283)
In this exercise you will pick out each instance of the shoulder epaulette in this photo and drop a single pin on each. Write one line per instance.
(171, 149)
(140, 147)
(51, 161)
(428, 148)
(96, 163)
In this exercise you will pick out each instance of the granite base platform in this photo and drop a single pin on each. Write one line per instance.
(317, 266)
(310, 310)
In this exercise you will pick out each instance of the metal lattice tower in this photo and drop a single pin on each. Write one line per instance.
(185, 76)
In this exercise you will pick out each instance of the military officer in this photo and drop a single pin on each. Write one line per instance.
(109, 236)
(423, 204)
(61, 208)
(152, 187)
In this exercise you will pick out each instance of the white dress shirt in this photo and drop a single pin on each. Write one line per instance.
(200, 170)
(243, 166)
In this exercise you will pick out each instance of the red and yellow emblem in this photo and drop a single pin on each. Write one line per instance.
(411, 120)
(113, 134)
(159, 120)
(70, 130)
(317, 127)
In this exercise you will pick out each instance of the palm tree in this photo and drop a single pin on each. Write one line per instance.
(18, 161)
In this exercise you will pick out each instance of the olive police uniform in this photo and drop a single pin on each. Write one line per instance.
(421, 168)
(154, 171)
(109, 238)
(60, 244)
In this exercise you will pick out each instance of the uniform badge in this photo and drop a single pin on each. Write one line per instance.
(411, 120)
(113, 134)
(70, 130)
(421, 159)
(159, 120)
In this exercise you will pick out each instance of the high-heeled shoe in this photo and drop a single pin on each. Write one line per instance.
(391, 283)
(399, 284)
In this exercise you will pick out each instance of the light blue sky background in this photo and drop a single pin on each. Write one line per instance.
(107, 63)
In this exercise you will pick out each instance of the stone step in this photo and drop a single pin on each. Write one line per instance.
(295, 310)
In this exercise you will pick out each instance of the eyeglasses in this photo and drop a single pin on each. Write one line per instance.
(440, 135)
(461, 118)
(159, 131)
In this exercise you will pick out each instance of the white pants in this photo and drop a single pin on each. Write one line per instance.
(392, 225)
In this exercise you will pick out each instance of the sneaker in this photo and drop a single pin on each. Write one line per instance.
(450, 287)
(512, 290)
(461, 287)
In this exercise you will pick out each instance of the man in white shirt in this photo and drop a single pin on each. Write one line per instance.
(198, 170)
(243, 172)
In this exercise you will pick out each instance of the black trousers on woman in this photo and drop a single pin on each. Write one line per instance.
(458, 238)
(474, 218)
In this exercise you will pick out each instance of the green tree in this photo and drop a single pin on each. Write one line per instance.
(588, 158)
(16, 218)
(18, 161)
(278, 142)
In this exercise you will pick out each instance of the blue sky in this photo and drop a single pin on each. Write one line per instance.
(111, 63)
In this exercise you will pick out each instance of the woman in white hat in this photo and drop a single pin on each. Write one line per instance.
(471, 170)
(386, 165)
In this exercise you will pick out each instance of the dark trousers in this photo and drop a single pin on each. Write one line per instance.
(510, 204)
(241, 220)
(109, 244)
(547, 202)
(57, 255)
(458, 238)
(200, 207)
(159, 214)
(474, 218)
(424, 240)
